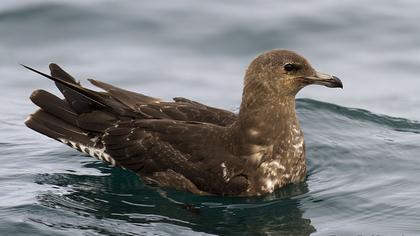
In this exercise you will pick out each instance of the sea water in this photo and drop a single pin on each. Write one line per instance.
(362, 142)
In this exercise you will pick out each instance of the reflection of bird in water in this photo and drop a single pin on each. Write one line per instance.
(184, 144)
(99, 201)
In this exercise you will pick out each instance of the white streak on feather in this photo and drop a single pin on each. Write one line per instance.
(224, 171)
(100, 153)
(94, 139)
(253, 132)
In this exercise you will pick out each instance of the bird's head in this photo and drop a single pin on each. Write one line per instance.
(283, 73)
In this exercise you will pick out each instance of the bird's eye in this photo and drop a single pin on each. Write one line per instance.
(289, 67)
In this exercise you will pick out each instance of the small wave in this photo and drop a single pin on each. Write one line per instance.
(395, 123)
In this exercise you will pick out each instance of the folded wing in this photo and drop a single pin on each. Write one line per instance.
(167, 143)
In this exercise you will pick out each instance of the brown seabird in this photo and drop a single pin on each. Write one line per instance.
(184, 144)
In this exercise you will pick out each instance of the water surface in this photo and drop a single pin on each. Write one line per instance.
(363, 163)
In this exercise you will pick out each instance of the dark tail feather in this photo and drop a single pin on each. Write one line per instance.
(95, 121)
(53, 127)
(56, 71)
(54, 105)
(87, 93)
(78, 102)
(57, 119)
(95, 97)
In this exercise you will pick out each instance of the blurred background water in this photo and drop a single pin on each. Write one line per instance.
(364, 164)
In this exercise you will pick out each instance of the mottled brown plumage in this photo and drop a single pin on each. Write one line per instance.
(184, 144)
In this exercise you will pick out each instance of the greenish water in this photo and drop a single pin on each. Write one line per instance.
(364, 167)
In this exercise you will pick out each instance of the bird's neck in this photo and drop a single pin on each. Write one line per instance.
(270, 123)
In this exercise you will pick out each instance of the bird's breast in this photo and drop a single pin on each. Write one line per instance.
(282, 164)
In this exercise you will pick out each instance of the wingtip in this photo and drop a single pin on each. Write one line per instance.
(53, 66)
(38, 72)
(28, 120)
(32, 69)
(94, 82)
(97, 99)
(27, 67)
